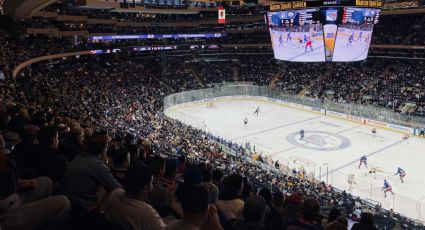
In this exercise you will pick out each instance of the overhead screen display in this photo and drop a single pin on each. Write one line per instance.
(340, 34)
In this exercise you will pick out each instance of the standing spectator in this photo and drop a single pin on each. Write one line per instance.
(128, 208)
(366, 222)
(87, 174)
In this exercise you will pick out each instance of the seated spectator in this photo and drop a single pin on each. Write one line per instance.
(120, 163)
(34, 208)
(45, 157)
(340, 223)
(292, 210)
(87, 174)
(208, 185)
(135, 156)
(128, 208)
(333, 214)
(274, 219)
(72, 145)
(229, 202)
(194, 202)
(217, 175)
(158, 197)
(169, 183)
(22, 150)
(307, 221)
(254, 212)
(366, 222)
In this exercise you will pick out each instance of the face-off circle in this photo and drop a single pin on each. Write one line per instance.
(319, 140)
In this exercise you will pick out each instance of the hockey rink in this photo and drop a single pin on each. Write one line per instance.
(330, 145)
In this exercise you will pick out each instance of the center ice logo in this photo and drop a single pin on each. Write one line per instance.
(319, 140)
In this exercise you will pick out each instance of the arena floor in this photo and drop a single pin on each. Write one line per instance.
(330, 144)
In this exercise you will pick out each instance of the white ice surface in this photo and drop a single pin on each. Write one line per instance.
(269, 131)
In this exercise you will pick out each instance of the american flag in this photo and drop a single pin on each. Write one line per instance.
(371, 15)
(305, 16)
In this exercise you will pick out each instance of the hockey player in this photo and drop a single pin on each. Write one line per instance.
(406, 137)
(374, 131)
(422, 132)
(373, 170)
(309, 43)
(401, 173)
(280, 39)
(363, 160)
(387, 188)
(257, 110)
(350, 180)
(302, 134)
(350, 40)
(288, 38)
(359, 38)
(245, 122)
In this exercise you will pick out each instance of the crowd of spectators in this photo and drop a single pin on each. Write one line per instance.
(151, 172)
(85, 138)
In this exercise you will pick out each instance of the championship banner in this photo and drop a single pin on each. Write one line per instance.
(221, 15)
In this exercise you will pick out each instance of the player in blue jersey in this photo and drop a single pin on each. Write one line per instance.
(280, 39)
(401, 173)
(288, 38)
(363, 160)
(302, 134)
(387, 188)
(350, 40)
(359, 38)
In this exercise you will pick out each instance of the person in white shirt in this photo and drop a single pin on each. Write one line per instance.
(127, 207)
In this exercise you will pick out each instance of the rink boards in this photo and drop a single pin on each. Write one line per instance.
(326, 112)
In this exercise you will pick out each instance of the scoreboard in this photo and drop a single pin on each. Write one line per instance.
(284, 5)
(319, 31)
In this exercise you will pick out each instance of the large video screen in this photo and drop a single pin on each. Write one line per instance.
(340, 34)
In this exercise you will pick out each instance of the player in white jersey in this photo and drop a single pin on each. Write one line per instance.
(350, 179)
(245, 122)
